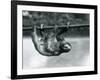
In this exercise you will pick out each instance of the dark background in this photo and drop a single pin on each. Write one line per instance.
(78, 27)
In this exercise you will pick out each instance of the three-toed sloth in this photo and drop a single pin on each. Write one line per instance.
(50, 41)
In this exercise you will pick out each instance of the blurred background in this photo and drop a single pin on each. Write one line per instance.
(78, 23)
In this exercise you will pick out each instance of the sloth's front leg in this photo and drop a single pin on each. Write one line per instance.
(40, 42)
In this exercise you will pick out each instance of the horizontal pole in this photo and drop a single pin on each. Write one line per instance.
(63, 26)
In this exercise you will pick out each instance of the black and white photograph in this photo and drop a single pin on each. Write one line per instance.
(53, 40)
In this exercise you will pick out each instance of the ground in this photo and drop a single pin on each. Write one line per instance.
(78, 56)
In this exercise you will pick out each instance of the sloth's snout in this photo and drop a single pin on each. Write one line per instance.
(65, 47)
(57, 48)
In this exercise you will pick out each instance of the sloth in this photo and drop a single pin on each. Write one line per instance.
(50, 41)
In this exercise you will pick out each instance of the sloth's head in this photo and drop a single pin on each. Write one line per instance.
(50, 41)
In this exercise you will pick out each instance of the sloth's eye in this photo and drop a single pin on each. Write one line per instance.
(60, 37)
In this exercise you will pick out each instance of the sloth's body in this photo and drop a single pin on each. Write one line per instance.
(50, 42)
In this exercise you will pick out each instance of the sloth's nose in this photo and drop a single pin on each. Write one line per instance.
(65, 47)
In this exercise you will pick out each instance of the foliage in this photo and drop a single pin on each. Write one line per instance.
(54, 18)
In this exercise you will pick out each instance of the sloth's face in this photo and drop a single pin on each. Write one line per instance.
(50, 42)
